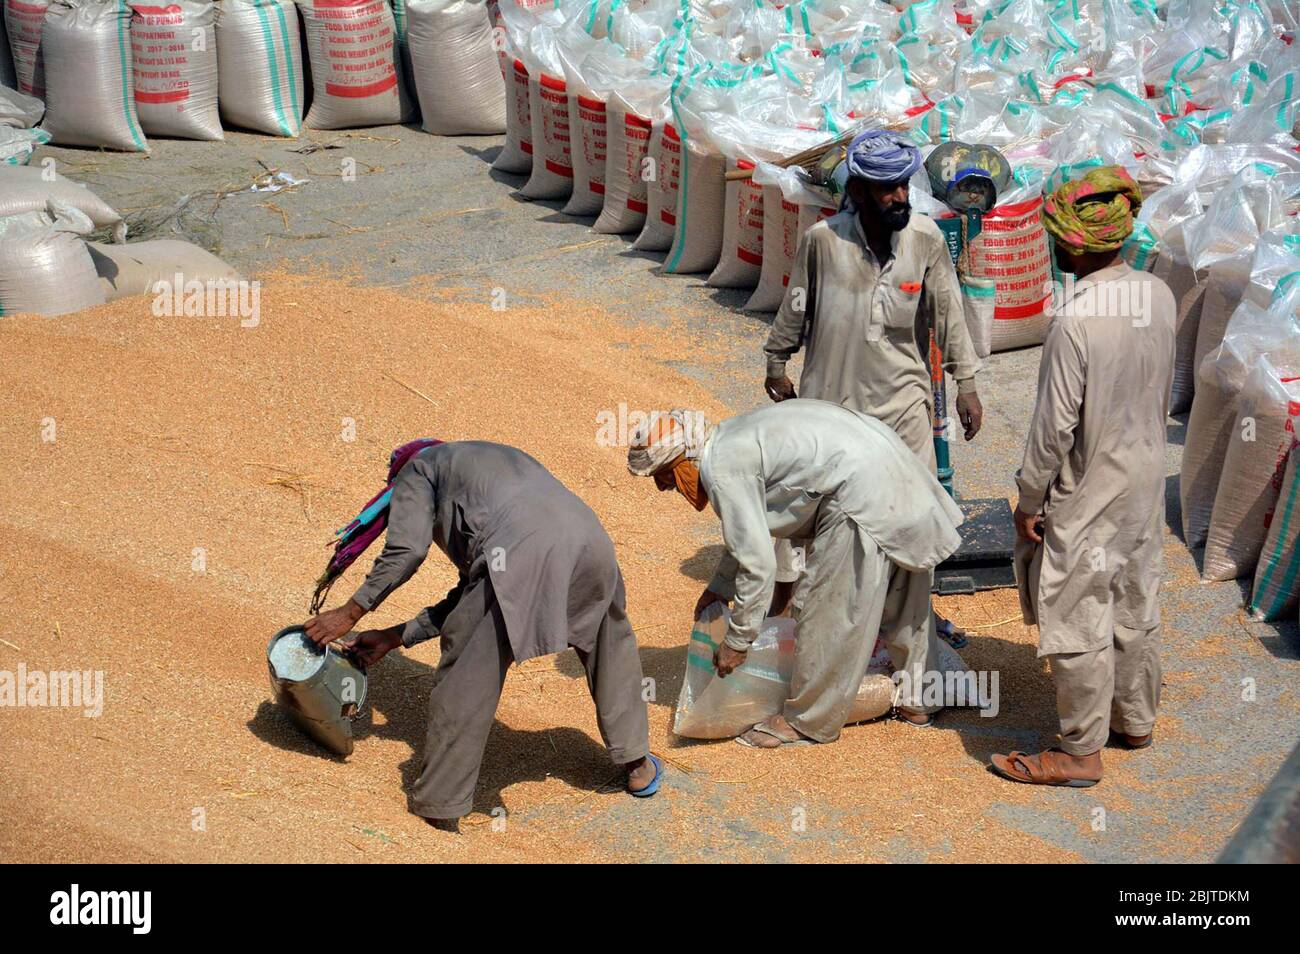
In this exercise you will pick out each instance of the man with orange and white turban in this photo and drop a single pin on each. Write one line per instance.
(1092, 485)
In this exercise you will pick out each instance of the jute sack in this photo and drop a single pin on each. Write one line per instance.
(355, 64)
(23, 22)
(137, 267)
(740, 262)
(26, 189)
(260, 66)
(44, 265)
(627, 142)
(663, 170)
(1012, 250)
(780, 240)
(1253, 470)
(590, 149)
(8, 77)
(1172, 268)
(174, 59)
(701, 198)
(89, 89)
(552, 170)
(456, 68)
(516, 156)
(1276, 591)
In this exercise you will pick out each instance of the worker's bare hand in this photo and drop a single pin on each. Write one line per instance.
(1029, 526)
(971, 413)
(726, 659)
(333, 624)
(372, 645)
(779, 389)
(707, 599)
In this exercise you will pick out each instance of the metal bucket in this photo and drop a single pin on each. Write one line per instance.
(321, 690)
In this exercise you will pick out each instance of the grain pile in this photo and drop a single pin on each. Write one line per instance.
(178, 519)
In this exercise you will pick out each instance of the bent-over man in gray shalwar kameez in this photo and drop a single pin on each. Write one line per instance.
(538, 574)
(878, 519)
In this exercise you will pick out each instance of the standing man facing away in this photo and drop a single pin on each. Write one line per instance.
(879, 520)
(1092, 485)
(538, 574)
(865, 289)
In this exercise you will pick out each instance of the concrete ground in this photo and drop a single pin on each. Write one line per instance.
(427, 213)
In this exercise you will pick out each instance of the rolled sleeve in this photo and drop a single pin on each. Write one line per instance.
(787, 334)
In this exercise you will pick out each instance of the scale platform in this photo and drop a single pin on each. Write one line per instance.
(984, 561)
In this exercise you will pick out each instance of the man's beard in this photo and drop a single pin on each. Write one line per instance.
(896, 216)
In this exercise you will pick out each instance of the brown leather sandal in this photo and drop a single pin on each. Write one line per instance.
(1040, 769)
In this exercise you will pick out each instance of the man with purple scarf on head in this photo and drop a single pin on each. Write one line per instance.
(538, 574)
(866, 288)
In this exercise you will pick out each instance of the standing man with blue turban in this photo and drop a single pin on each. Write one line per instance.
(866, 287)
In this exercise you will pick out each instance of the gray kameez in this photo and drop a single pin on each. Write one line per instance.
(1094, 466)
(538, 574)
(805, 469)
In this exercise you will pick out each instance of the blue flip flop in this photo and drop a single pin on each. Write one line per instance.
(654, 782)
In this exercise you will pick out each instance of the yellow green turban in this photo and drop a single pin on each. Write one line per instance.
(1095, 213)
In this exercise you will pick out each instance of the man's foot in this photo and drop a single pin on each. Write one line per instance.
(921, 720)
(445, 824)
(1053, 767)
(640, 774)
(773, 733)
(1131, 741)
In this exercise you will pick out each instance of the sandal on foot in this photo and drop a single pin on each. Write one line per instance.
(653, 785)
(750, 738)
(1132, 741)
(1040, 769)
(927, 717)
(949, 633)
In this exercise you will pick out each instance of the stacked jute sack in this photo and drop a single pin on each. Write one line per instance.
(675, 124)
(112, 73)
(49, 266)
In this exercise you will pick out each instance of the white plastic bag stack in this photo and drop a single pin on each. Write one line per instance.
(516, 156)
(89, 90)
(589, 151)
(627, 145)
(456, 68)
(551, 176)
(23, 22)
(174, 58)
(260, 66)
(355, 64)
(44, 265)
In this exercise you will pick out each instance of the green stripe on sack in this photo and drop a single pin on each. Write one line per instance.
(288, 66)
(269, 43)
(979, 291)
(128, 98)
(1288, 578)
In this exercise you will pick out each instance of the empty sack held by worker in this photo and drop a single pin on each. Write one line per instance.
(260, 66)
(174, 57)
(89, 83)
(355, 64)
(714, 708)
(44, 265)
(456, 69)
